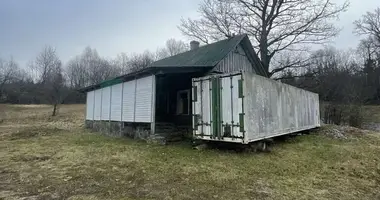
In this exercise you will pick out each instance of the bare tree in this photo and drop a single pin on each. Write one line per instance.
(44, 64)
(369, 25)
(56, 88)
(172, 47)
(77, 73)
(219, 19)
(8, 72)
(368, 48)
(89, 68)
(140, 61)
(49, 77)
(121, 62)
(275, 26)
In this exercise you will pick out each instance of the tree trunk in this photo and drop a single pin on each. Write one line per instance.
(55, 110)
(265, 60)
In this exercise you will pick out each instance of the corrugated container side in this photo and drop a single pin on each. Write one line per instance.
(273, 108)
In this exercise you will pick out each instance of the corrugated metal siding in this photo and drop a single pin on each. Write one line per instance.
(90, 105)
(235, 61)
(144, 92)
(98, 104)
(129, 89)
(106, 103)
(116, 102)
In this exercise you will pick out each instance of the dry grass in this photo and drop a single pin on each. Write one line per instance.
(55, 158)
(371, 114)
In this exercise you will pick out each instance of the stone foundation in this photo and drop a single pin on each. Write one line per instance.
(120, 129)
(164, 132)
(88, 124)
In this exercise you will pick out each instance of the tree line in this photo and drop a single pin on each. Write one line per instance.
(47, 80)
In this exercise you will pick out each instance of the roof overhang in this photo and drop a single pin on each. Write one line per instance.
(146, 72)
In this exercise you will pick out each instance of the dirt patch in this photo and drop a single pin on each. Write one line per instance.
(341, 132)
(372, 126)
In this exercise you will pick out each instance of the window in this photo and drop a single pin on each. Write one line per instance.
(183, 102)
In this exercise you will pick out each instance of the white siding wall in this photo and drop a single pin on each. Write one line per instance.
(235, 61)
(116, 102)
(106, 103)
(129, 89)
(131, 101)
(144, 92)
(90, 105)
(98, 104)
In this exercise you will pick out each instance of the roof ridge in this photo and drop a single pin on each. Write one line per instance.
(238, 39)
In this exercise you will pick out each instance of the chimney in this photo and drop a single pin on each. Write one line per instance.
(194, 45)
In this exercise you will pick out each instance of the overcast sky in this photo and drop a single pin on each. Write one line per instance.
(112, 26)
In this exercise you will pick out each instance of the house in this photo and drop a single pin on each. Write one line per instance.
(199, 93)
(157, 99)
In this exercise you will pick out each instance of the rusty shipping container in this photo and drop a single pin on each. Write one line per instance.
(244, 107)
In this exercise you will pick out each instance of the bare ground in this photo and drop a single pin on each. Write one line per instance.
(56, 158)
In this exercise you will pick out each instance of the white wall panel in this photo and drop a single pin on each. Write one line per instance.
(90, 105)
(106, 102)
(116, 102)
(98, 104)
(129, 101)
(144, 92)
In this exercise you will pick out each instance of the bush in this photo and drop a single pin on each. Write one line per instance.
(355, 117)
(343, 114)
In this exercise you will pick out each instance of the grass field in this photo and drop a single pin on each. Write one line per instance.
(56, 158)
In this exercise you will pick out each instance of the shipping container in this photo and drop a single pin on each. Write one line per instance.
(244, 107)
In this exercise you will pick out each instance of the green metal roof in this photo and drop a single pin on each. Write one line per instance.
(204, 56)
(113, 81)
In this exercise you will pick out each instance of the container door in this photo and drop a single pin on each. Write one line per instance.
(218, 107)
(232, 115)
(201, 98)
